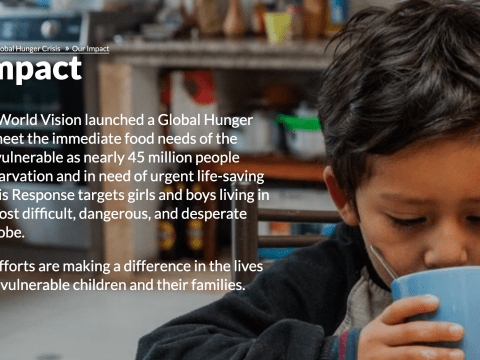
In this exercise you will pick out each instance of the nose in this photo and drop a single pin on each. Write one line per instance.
(447, 248)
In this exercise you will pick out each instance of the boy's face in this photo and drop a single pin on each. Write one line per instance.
(420, 207)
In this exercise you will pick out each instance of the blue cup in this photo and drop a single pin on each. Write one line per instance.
(459, 292)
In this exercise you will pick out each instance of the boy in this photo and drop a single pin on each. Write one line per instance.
(400, 111)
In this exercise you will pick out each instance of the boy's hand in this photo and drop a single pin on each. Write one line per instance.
(389, 337)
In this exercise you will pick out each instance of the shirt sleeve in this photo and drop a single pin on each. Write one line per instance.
(343, 347)
(289, 312)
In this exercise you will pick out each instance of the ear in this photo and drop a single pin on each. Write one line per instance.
(340, 198)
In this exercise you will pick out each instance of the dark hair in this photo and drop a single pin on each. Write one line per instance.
(409, 74)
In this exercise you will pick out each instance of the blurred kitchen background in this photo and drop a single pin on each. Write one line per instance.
(232, 58)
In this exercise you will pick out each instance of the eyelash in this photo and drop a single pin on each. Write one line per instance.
(408, 223)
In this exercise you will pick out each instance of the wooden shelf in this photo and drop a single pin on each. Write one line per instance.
(248, 54)
(129, 87)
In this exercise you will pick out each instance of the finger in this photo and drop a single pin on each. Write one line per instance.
(425, 353)
(423, 331)
(404, 308)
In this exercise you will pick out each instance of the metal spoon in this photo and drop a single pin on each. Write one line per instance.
(384, 263)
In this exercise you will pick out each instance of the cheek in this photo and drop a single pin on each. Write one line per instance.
(402, 252)
(376, 232)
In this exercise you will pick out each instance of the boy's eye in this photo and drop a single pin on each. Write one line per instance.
(475, 219)
(408, 222)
